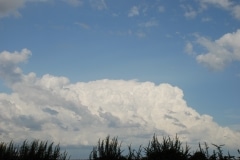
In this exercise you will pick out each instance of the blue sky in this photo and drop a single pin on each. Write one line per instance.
(193, 45)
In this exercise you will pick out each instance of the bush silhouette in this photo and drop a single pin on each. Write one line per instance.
(33, 151)
(168, 150)
(107, 150)
(110, 149)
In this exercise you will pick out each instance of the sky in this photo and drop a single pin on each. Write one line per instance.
(74, 71)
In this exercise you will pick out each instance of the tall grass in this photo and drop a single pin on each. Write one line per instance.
(110, 149)
(31, 151)
(107, 150)
(168, 149)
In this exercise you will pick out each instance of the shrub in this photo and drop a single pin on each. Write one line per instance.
(201, 154)
(8, 152)
(107, 150)
(35, 150)
(167, 150)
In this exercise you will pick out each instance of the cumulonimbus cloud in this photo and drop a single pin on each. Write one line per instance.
(53, 108)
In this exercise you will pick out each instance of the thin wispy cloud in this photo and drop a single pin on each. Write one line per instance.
(206, 19)
(161, 9)
(98, 4)
(11, 7)
(83, 25)
(232, 6)
(74, 3)
(189, 12)
(134, 11)
(150, 23)
(189, 48)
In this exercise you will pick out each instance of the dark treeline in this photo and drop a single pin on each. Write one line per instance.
(168, 149)
(31, 151)
(110, 149)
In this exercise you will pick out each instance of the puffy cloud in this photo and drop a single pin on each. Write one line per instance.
(134, 11)
(7, 58)
(220, 52)
(9, 69)
(52, 108)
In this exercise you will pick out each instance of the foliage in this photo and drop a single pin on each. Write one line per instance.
(107, 150)
(201, 154)
(110, 149)
(35, 150)
(168, 150)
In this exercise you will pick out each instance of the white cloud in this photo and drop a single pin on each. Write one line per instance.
(122, 33)
(150, 23)
(9, 69)
(220, 52)
(52, 108)
(189, 48)
(189, 11)
(11, 7)
(190, 14)
(74, 2)
(140, 34)
(231, 6)
(236, 11)
(134, 11)
(161, 9)
(98, 4)
(15, 57)
(83, 25)
(222, 3)
(206, 19)
(225, 4)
